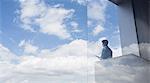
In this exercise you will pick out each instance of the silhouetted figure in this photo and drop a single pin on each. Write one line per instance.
(106, 51)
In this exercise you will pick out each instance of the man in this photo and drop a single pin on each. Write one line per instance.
(106, 51)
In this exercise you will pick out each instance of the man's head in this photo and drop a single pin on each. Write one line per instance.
(105, 42)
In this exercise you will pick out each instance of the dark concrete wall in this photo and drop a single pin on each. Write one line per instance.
(134, 23)
(141, 9)
(149, 13)
(141, 14)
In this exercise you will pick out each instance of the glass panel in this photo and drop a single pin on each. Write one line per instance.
(43, 41)
(133, 66)
(102, 25)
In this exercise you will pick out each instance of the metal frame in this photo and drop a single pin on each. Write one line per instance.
(117, 2)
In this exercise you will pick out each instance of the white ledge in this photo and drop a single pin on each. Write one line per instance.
(125, 69)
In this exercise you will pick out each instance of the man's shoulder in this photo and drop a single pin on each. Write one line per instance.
(107, 48)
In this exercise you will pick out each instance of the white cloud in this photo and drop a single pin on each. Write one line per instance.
(94, 48)
(71, 49)
(28, 47)
(72, 60)
(142, 48)
(81, 2)
(89, 23)
(75, 27)
(67, 61)
(36, 15)
(6, 55)
(96, 15)
(117, 52)
(131, 49)
(98, 29)
(96, 10)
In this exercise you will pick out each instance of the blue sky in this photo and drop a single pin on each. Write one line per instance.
(12, 33)
(110, 25)
(55, 39)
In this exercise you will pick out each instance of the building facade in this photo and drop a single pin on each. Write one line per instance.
(134, 23)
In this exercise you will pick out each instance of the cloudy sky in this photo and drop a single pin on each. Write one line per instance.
(54, 41)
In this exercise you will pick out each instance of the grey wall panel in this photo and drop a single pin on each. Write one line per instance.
(127, 28)
(141, 12)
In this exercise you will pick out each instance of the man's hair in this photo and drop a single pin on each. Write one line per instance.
(105, 41)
